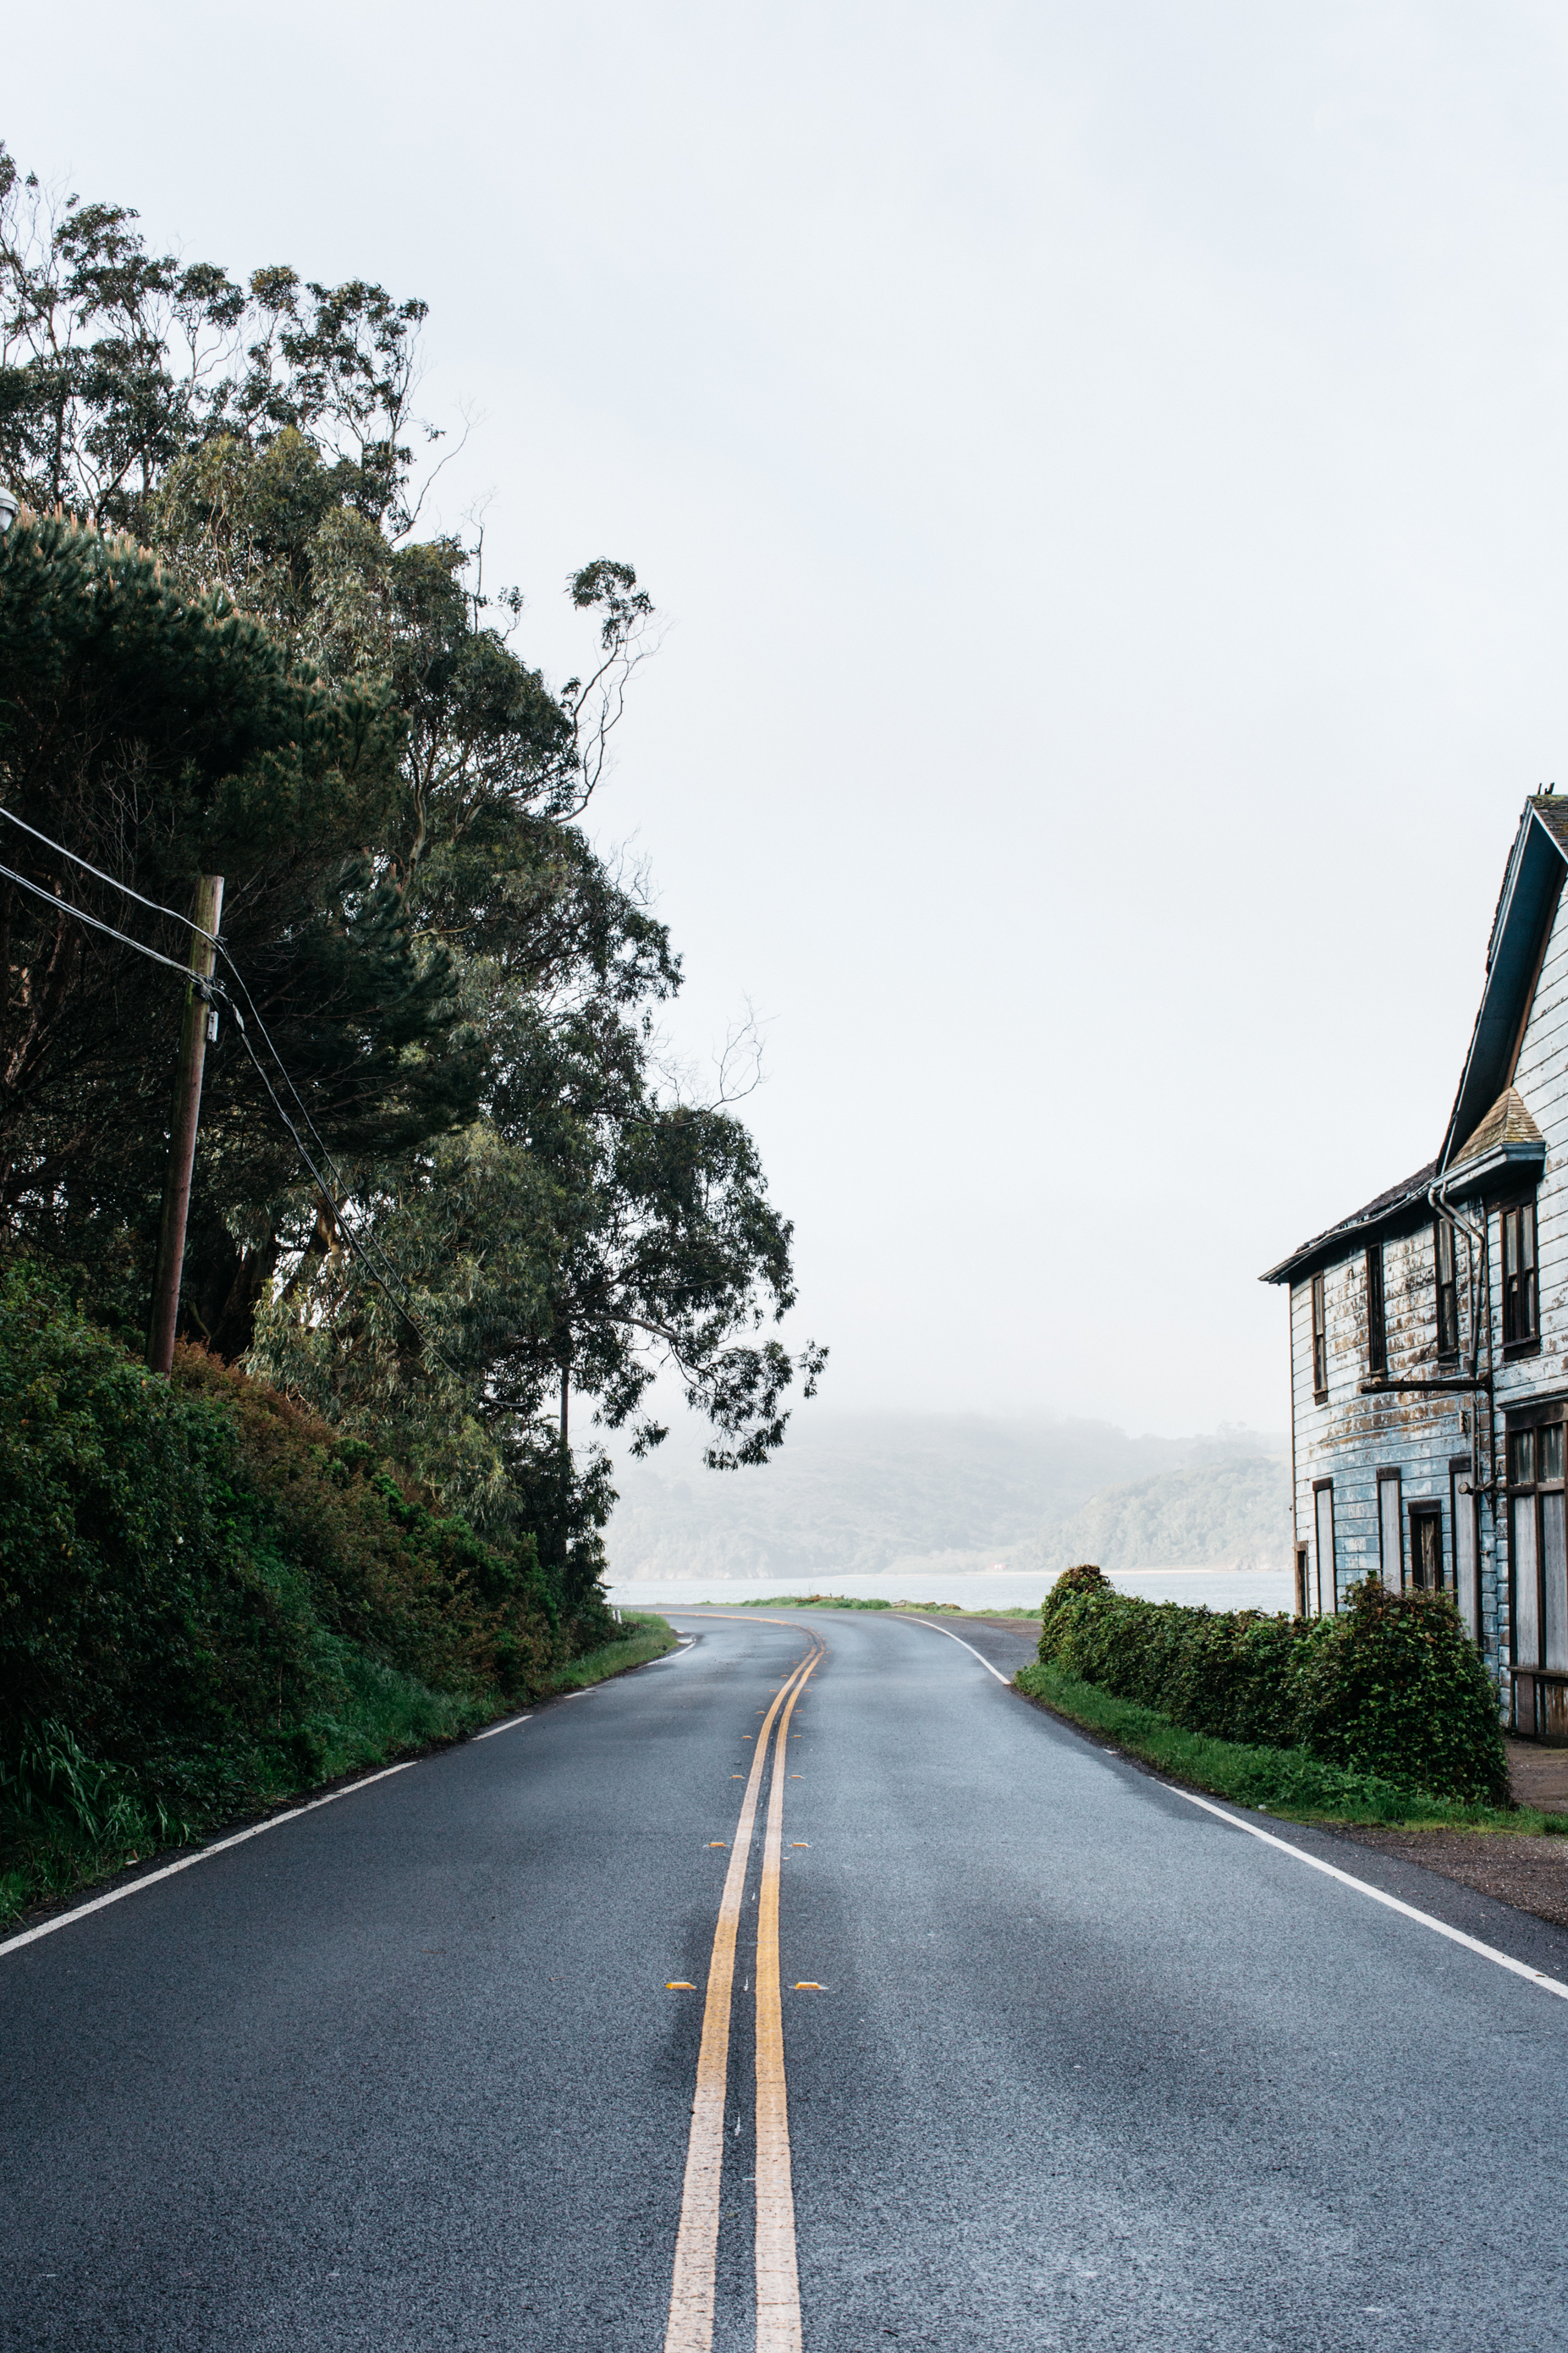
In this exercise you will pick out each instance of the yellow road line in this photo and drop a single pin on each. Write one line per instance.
(778, 2282)
(690, 2328)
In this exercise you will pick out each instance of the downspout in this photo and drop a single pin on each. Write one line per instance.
(1488, 1488)
(1474, 1244)
(1295, 1528)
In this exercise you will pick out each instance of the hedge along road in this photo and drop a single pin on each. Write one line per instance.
(1056, 2058)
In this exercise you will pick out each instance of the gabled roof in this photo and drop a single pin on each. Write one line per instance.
(1526, 905)
(1524, 911)
(1397, 1202)
(1508, 1148)
(1508, 1121)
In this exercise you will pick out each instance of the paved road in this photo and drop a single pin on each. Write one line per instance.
(1088, 2068)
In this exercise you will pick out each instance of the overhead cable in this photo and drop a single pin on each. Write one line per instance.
(213, 987)
(353, 1239)
(64, 907)
(369, 1251)
(123, 887)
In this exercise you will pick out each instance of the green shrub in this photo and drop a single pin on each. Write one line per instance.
(383, 1569)
(1390, 1687)
(813, 1601)
(207, 1599)
(130, 1618)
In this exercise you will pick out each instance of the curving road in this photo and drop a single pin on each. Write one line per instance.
(970, 2036)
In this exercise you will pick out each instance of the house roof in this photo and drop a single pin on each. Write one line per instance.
(1527, 902)
(1395, 1203)
(1508, 1121)
(1526, 905)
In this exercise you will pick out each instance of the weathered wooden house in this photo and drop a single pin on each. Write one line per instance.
(1429, 1332)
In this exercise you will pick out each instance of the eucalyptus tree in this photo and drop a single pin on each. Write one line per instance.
(492, 1205)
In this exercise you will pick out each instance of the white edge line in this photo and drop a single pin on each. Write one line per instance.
(962, 1645)
(238, 1838)
(1364, 1887)
(188, 1861)
(1332, 1871)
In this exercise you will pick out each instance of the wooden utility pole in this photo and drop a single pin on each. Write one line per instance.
(182, 1124)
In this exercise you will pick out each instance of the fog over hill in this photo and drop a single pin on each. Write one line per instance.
(864, 1493)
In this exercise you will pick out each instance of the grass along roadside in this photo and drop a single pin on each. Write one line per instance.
(645, 1637)
(95, 1825)
(1288, 1782)
(853, 1601)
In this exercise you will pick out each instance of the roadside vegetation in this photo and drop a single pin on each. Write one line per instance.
(814, 1601)
(1380, 1715)
(212, 1600)
(1284, 1781)
(451, 1212)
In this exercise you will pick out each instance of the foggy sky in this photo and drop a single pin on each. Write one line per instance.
(1102, 468)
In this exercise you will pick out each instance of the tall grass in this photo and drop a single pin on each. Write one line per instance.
(67, 1821)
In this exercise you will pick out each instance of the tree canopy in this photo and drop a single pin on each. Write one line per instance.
(443, 1189)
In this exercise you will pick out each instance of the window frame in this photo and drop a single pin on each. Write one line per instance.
(1320, 1337)
(1319, 1488)
(1446, 1289)
(1521, 1332)
(1462, 1500)
(1387, 1478)
(1426, 1508)
(1376, 1312)
(1540, 1689)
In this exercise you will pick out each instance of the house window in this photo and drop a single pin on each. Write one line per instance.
(1462, 1504)
(1303, 1580)
(1320, 1341)
(1376, 1328)
(1323, 1527)
(1447, 1291)
(1519, 1292)
(1390, 1535)
(1427, 1547)
(1538, 1564)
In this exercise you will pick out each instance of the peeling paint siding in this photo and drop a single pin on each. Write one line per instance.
(1349, 1438)
(1542, 1078)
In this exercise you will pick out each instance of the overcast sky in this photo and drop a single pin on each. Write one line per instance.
(1103, 471)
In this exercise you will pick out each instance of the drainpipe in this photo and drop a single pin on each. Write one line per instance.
(1474, 1244)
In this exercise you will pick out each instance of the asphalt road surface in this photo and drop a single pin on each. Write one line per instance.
(590, 2035)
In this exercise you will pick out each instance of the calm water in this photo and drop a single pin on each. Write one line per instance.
(996, 1589)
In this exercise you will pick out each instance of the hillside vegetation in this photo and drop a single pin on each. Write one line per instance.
(449, 1213)
(1235, 1510)
(209, 1599)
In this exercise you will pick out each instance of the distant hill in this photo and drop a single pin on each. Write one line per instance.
(1234, 1513)
(863, 1493)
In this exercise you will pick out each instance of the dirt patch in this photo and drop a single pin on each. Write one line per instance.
(1530, 1873)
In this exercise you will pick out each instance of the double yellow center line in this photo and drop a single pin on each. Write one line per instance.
(691, 2294)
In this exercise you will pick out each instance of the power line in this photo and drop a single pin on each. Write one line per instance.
(351, 1236)
(64, 907)
(123, 887)
(369, 1251)
(175, 917)
(338, 1177)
